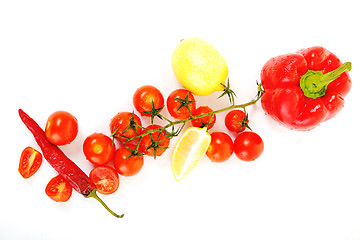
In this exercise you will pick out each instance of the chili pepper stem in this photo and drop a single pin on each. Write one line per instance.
(94, 195)
(314, 83)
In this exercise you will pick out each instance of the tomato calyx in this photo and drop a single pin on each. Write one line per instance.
(154, 112)
(244, 122)
(158, 143)
(184, 102)
(133, 125)
(228, 92)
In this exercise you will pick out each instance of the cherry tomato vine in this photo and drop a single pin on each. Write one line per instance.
(185, 102)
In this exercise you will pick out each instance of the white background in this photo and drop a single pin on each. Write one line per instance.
(88, 57)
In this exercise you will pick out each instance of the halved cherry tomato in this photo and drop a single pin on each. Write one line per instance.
(30, 162)
(58, 189)
(221, 147)
(61, 128)
(99, 149)
(125, 165)
(125, 125)
(154, 144)
(248, 146)
(105, 178)
(147, 97)
(236, 121)
(207, 121)
(180, 103)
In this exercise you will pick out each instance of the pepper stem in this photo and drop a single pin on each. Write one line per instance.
(94, 195)
(314, 83)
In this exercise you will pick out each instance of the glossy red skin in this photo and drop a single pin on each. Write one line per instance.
(248, 146)
(146, 141)
(173, 104)
(121, 121)
(61, 128)
(221, 147)
(285, 101)
(30, 162)
(57, 159)
(127, 167)
(98, 149)
(145, 96)
(201, 122)
(58, 189)
(105, 178)
(234, 119)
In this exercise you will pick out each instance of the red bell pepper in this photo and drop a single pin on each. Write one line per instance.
(303, 89)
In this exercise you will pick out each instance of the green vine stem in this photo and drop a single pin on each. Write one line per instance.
(183, 121)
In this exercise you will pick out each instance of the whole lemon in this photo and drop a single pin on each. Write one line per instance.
(199, 67)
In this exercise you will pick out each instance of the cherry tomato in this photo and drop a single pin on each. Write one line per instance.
(58, 189)
(144, 98)
(248, 146)
(125, 165)
(155, 141)
(61, 128)
(236, 121)
(99, 149)
(30, 162)
(105, 178)
(221, 147)
(207, 121)
(125, 125)
(179, 103)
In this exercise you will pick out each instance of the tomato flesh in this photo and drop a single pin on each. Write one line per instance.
(99, 149)
(105, 178)
(61, 128)
(58, 189)
(30, 162)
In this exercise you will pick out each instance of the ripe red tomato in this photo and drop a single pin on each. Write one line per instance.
(126, 124)
(221, 147)
(30, 162)
(179, 103)
(61, 128)
(99, 149)
(207, 121)
(144, 98)
(125, 165)
(58, 189)
(152, 141)
(248, 146)
(236, 121)
(105, 178)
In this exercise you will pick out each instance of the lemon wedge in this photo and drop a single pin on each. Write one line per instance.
(189, 150)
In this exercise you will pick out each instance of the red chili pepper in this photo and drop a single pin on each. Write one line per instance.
(62, 164)
(303, 89)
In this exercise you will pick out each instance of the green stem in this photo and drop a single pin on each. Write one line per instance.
(182, 121)
(330, 76)
(94, 195)
(314, 83)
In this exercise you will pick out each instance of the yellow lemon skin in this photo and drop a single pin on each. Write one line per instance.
(199, 67)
